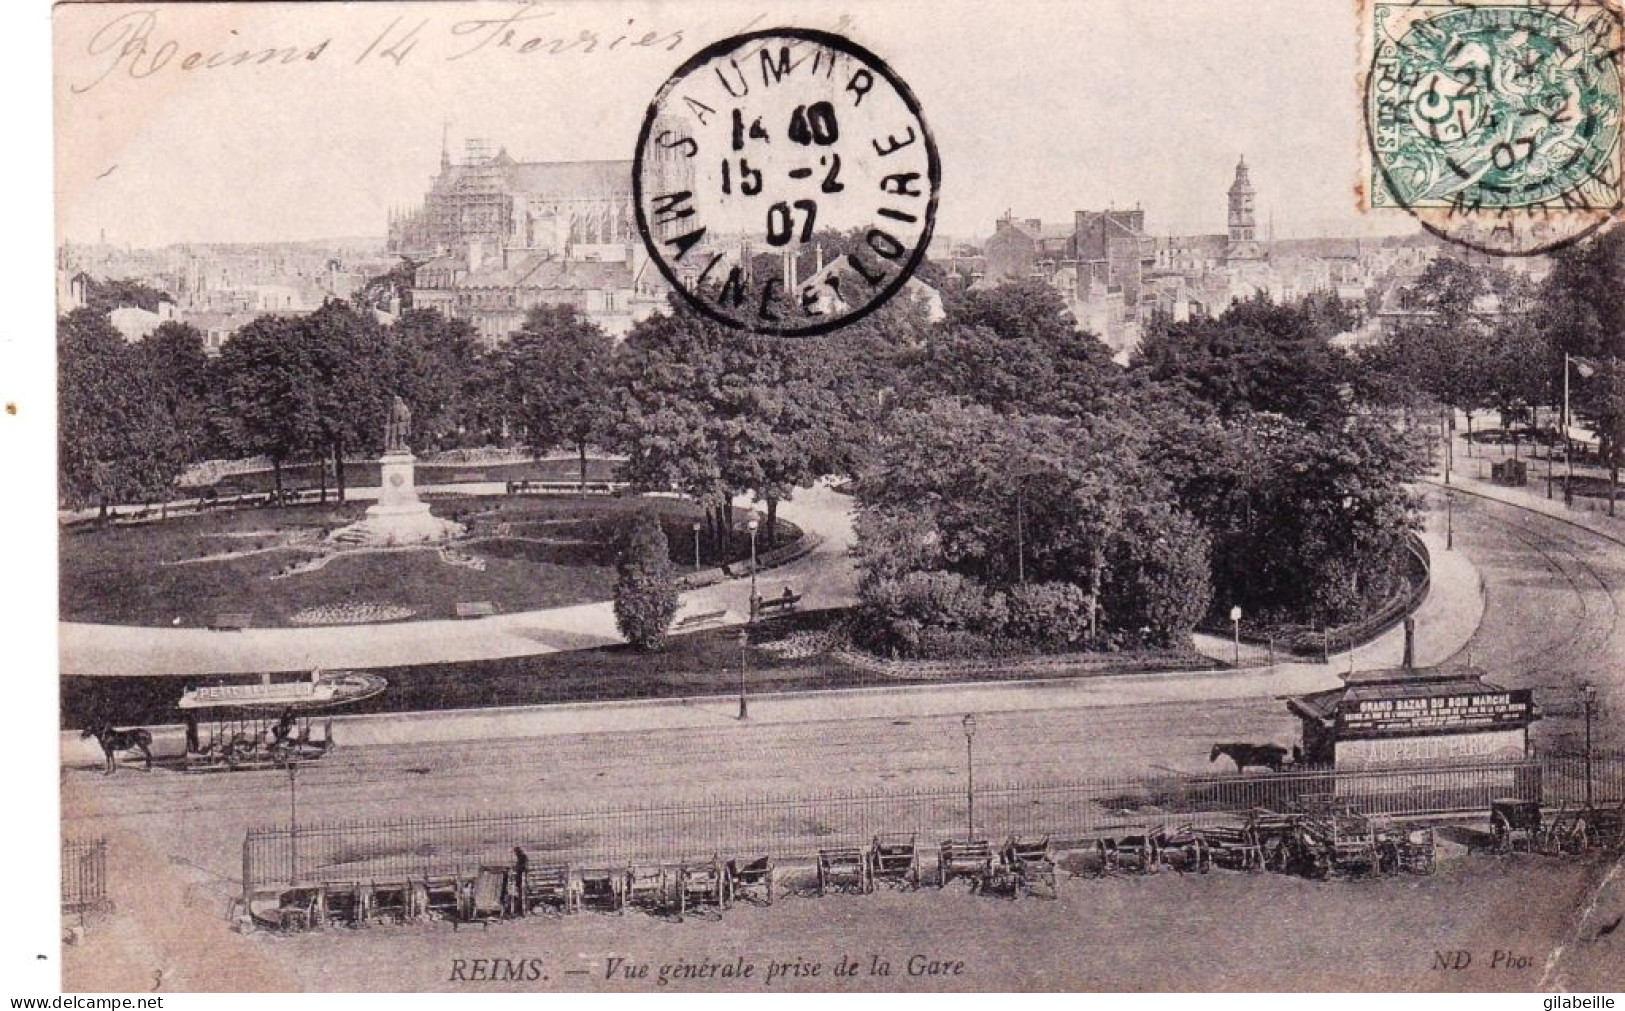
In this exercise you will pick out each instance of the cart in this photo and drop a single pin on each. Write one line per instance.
(1515, 824)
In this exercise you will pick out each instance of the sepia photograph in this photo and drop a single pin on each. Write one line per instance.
(742, 496)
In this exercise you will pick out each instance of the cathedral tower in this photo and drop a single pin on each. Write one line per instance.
(1243, 226)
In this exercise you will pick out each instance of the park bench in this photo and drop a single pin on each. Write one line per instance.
(550, 887)
(231, 621)
(648, 887)
(777, 605)
(895, 858)
(973, 859)
(747, 879)
(442, 896)
(1233, 846)
(519, 487)
(389, 902)
(1032, 866)
(345, 904)
(702, 886)
(1183, 848)
(844, 867)
(485, 900)
(700, 618)
(601, 888)
(299, 909)
(475, 609)
(1134, 852)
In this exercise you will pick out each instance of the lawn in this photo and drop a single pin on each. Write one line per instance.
(786, 653)
(535, 553)
(365, 474)
(704, 663)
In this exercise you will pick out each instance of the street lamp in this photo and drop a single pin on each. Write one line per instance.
(744, 667)
(1447, 422)
(696, 529)
(969, 723)
(1235, 621)
(751, 526)
(293, 822)
(1449, 520)
(1590, 692)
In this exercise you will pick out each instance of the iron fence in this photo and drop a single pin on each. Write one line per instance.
(796, 826)
(84, 875)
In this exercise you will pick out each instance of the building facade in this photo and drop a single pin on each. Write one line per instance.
(496, 237)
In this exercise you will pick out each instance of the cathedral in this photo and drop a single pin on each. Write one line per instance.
(495, 237)
(574, 208)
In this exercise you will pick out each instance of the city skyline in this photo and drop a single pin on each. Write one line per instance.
(1105, 142)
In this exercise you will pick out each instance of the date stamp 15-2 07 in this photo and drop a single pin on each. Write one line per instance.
(1497, 125)
(785, 182)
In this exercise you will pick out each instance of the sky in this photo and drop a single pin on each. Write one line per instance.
(1038, 108)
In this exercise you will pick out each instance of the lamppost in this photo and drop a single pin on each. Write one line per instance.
(1449, 520)
(744, 667)
(1447, 422)
(293, 822)
(969, 723)
(751, 526)
(1235, 622)
(1590, 692)
(696, 528)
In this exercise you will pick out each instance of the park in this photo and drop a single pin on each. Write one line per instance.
(1106, 565)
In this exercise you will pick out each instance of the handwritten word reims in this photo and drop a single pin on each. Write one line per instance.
(134, 45)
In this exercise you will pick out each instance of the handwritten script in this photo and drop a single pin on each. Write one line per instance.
(143, 44)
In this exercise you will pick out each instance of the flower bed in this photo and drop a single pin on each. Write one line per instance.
(350, 613)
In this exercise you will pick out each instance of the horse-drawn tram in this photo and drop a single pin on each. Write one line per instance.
(268, 724)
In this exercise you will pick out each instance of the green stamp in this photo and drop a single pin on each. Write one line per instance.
(1497, 125)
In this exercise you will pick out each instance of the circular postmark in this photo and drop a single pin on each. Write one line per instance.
(1497, 125)
(785, 182)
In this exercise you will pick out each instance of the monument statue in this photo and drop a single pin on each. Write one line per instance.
(398, 518)
(398, 429)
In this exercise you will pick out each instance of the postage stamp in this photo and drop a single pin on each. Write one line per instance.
(1497, 125)
(786, 181)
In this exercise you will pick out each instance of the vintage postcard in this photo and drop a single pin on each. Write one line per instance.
(755, 497)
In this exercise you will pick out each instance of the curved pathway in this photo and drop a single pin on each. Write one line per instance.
(825, 578)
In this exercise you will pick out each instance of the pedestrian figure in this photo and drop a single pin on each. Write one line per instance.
(192, 745)
(521, 864)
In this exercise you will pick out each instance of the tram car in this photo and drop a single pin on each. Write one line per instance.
(268, 724)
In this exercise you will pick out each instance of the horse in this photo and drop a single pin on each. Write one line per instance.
(114, 741)
(1264, 756)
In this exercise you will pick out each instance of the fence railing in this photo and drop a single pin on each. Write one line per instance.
(84, 875)
(796, 826)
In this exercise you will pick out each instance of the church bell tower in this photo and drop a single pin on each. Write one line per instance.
(1243, 225)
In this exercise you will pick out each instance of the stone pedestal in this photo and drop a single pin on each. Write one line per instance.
(398, 517)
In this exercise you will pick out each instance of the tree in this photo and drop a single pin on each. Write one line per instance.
(557, 370)
(1445, 346)
(264, 394)
(174, 357)
(439, 367)
(348, 375)
(710, 413)
(105, 296)
(1016, 349)
(1013, 501)
(645, 583)
(115, 440)
(1255, 356)
(1581, 309)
